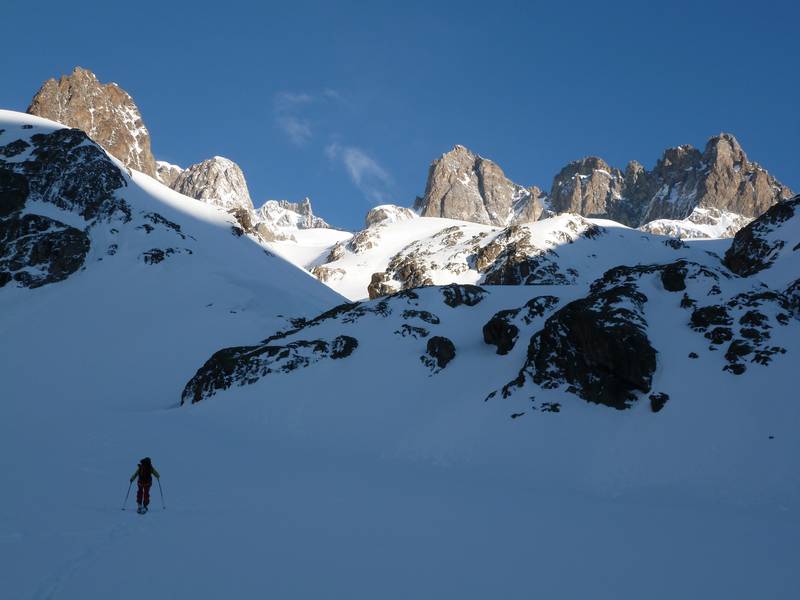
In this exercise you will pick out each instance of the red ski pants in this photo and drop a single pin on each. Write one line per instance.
(143, 493)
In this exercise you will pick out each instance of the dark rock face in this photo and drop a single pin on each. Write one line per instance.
(439, 352)
(37, 250)
(502, 329)
(469, 295)
(105, 112)
(598, 345)
(500, 332)
(63, 168)
(756, 247)
(673, 278)
(245, 365)
(658, 401)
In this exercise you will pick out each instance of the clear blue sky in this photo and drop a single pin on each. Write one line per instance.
(348, 102)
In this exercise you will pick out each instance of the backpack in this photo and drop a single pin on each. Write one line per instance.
(145, 471)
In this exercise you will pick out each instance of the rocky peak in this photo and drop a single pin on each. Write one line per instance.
(721, 177)
(167, 173)
(218, 181)
(388, 213)
(105, 112)
(589, 187)
(462, 185)
(281, 214)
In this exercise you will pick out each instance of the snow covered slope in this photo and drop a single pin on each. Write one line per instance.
(390, 256)
(141, 276)
(358, 453)
(701, 223)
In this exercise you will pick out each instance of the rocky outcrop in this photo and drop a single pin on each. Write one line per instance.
(462, 185)
(598, 346)
(37, 250)
(762, 242)
(743, 326)
(503, 329)
(511, 256)
(104, 111)
(68, 171)
(247, 364)
(438, 353)
(167, 173)
(281, 215)
(218, 181)
(388, 213)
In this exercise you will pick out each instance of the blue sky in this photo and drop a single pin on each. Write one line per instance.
(348, 102)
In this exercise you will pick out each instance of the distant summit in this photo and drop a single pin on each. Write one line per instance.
(719, 181)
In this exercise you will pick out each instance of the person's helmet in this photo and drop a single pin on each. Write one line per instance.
(146, 460)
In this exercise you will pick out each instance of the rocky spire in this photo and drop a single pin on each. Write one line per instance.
(104, 111)
(721, 177)
(218, 181)
(463, 185)
(592, 188)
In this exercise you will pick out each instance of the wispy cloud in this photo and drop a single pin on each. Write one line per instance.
(296, 129)
(285, 101)
(286, 108)
(366, 173)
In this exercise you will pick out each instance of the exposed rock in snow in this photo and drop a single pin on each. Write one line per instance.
(511, 256)
(388, 213)
(702, 223)
(104, 111)
(280, 219)
(167, 173)
(462, 185)
(773, 236)
(438, 353)
(503, 329)
(598, 345)
(245, 365)
(218, 181)
(67, 171)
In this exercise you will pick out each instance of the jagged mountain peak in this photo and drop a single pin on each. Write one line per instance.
(463, 185)
(106, 112)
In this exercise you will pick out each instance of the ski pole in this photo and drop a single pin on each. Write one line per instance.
(128, 493)
(163, 506)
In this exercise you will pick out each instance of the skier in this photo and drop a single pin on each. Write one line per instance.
(144, 472)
